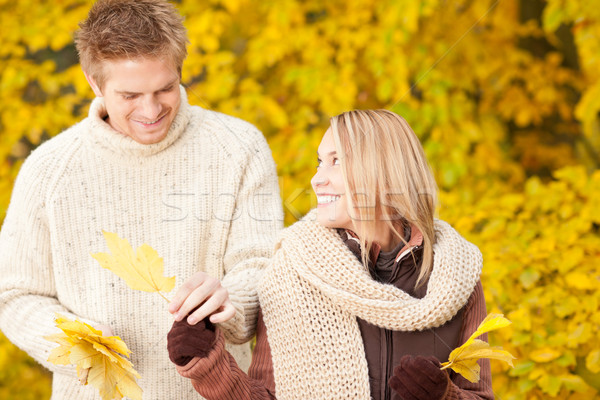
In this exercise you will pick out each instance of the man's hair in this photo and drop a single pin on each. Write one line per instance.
(387, 178)
(130, 29)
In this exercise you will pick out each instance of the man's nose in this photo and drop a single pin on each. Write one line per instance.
(151, 108)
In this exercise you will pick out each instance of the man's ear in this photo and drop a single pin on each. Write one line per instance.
(93, 84)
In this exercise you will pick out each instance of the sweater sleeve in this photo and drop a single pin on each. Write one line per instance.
(460, 388)
(28, 295)
(258, 218)
(217, 376)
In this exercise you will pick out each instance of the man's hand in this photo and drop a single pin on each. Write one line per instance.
(206, 293)
(105, 329)
(420, 378)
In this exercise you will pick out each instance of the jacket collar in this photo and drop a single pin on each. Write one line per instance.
(352, 241)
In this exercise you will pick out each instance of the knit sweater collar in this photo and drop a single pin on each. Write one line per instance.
(111, 143)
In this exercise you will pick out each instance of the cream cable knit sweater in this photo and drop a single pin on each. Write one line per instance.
(206, 198)
(317, 348)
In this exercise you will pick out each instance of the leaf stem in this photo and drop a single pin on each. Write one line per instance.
(161, 295)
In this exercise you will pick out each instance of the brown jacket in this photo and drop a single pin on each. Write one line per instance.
(218, 377)
(384, 348)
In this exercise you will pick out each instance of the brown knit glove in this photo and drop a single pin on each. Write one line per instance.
(185, 341)
(420, 378)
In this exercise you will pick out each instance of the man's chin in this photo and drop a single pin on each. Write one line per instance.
(148, 138)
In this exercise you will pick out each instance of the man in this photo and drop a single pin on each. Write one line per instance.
(198, 186)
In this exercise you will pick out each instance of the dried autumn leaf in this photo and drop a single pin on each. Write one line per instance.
(83, 375)
(60, 355)
(101, 361)
(113, 379)
(142, 270)
(463, 359)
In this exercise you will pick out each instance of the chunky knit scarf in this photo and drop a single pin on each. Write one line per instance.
(315, 289)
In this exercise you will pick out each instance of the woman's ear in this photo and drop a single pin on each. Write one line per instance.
(93, 84)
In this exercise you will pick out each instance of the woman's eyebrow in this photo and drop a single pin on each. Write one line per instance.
(331, 153)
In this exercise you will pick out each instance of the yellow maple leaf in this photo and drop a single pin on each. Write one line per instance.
(60, 355)
(463, 359)
(113, 379)
(101, 361)
(141, 270)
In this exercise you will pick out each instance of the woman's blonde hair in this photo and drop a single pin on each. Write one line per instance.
(387, 178)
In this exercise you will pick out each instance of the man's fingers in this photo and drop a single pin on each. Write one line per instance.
(185, 290)
(205, 294)
(196, 291)
(180, 297)
(174, 305)
(224, 314)
(212, 304)
(105, 329)
(196, 298)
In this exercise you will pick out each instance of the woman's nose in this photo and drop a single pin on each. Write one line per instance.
(319, 178)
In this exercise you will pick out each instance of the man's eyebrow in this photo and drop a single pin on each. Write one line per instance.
(128, 93)
(170, 84)
(125, 92)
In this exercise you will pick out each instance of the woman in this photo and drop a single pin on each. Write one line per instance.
(365, 295)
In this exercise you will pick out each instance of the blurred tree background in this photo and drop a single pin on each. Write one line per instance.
(504, 94)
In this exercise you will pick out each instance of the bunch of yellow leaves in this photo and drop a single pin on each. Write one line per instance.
(101, 361)
(463, 359)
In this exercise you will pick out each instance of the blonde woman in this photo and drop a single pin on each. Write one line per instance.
(364, 296)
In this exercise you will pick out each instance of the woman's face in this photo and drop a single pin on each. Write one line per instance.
(328, 184)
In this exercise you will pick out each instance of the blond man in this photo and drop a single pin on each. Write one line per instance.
(198, 186)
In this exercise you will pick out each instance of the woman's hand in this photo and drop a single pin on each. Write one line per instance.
(185, 341)
(202, 296)
(420, 378)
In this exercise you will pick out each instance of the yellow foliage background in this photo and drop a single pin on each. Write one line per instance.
(504, 94)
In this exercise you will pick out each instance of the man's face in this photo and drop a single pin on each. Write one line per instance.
(141, 97)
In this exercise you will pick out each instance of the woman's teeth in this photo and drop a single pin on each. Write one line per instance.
(327, 199)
